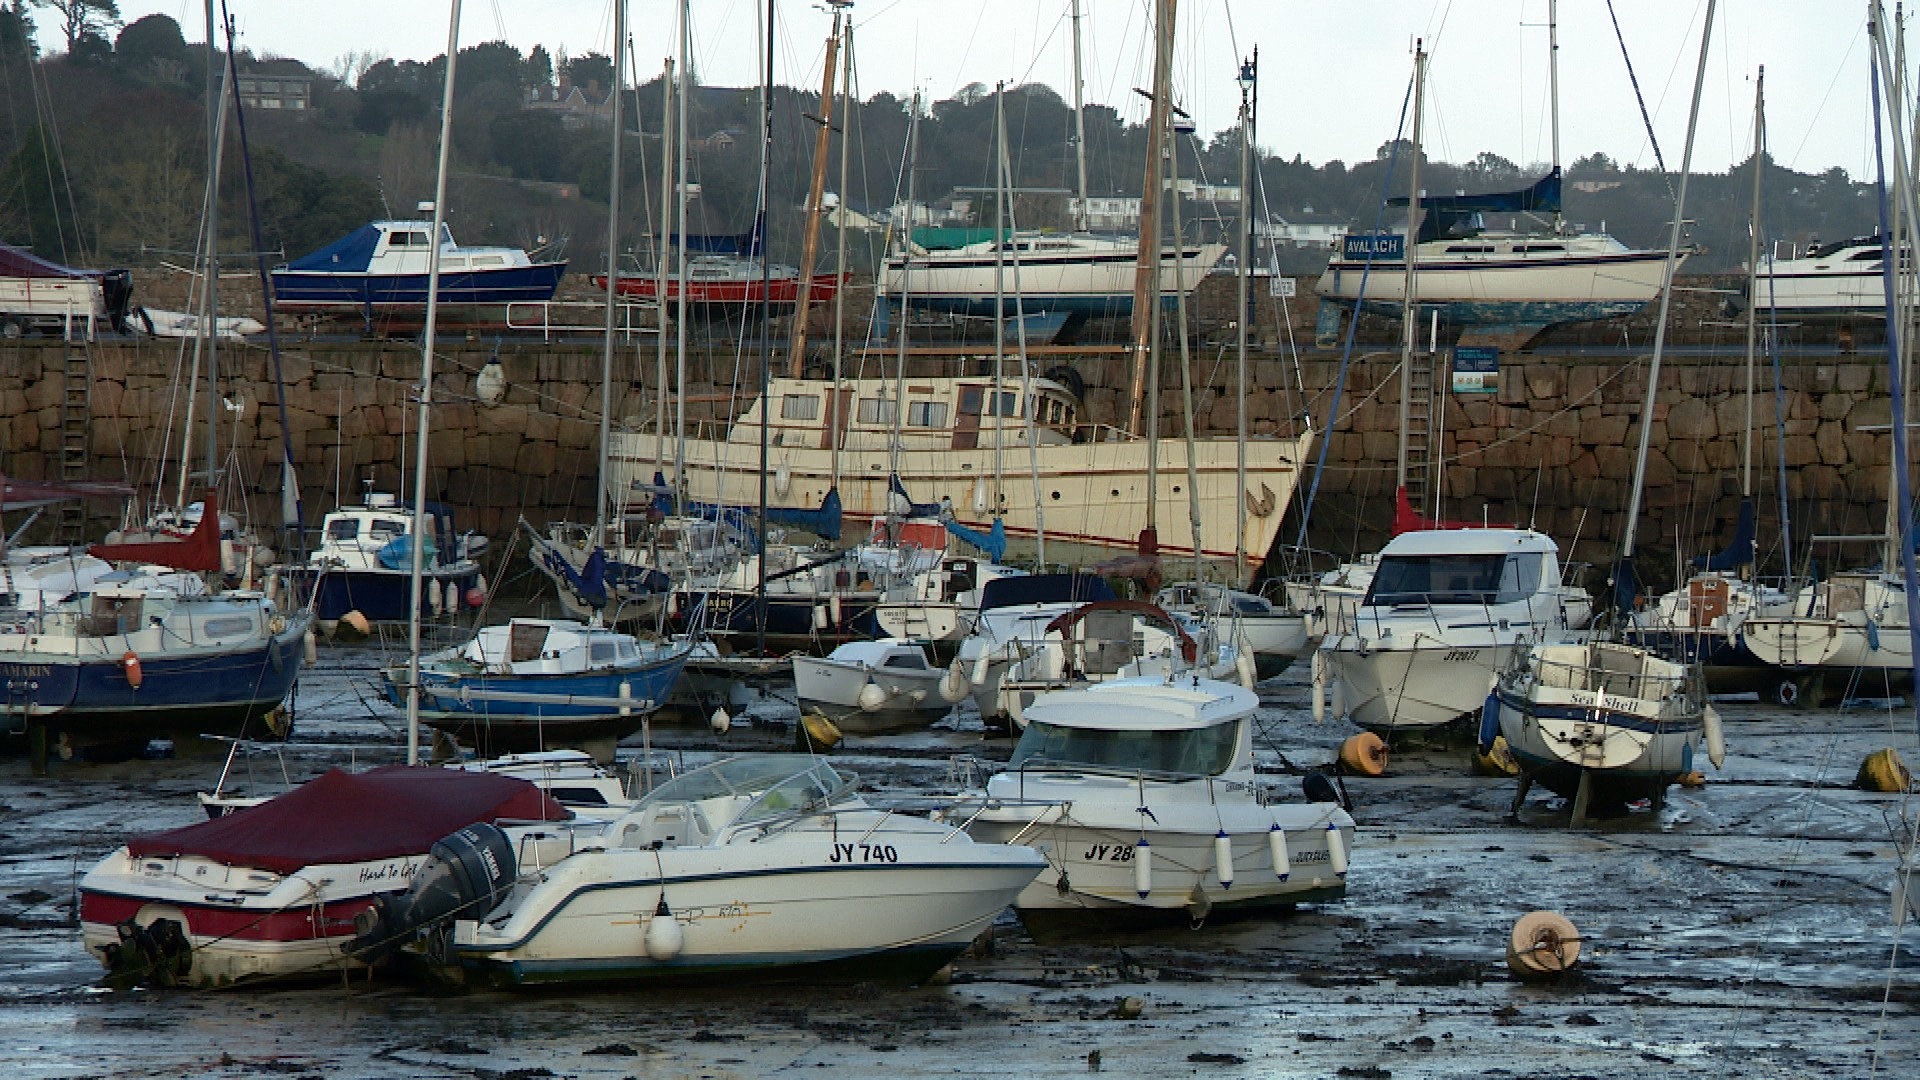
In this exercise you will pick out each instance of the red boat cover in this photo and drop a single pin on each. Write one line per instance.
(200, 551)
(345, 817)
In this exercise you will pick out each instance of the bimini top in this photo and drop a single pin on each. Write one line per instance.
(1469, 542)
(1148, 703)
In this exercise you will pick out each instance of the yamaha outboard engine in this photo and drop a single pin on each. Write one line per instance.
(465, 876)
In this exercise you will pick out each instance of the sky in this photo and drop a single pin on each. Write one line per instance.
(1333, 74)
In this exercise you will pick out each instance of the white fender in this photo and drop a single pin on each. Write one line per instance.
(1716, 736)
(720, 721)
(665, 938)
(871, 697)
(453, 596)
(1277, 850)
(1336, 850)
(953, 685)
(1223, 858)
(312, 650)
(980, 495)
(1143, 868)
(782, 479)
(820, 617)
(833, 608)
(1243, 662)
(1319, 687)
(435, 598)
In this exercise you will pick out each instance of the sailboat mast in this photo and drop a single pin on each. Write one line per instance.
(605, 509)
(840, 262)
(1146, 275)
(906, 281)
(680, 215)
(1079, 123)
(1553, 87)
(1666, 294)
(1408, 308)
(1248, 71)
(662, 268)
(1000, 244)
(810, 242)
(766, 326)
(420, 515)
(210, 298)
(1753, 275)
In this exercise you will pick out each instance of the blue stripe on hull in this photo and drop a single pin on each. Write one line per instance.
(440, 692)
(519, 283)
(1609, 787)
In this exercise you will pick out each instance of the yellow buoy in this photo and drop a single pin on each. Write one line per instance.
(817, 732)
(1497, 761)
(1364, 754)
(1883, 771)
(1543, 944)
(352, 626)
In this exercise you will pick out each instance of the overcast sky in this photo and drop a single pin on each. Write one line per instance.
(1333, 74)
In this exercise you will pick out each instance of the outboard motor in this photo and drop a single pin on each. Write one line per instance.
(466, 875)
(1315, 785)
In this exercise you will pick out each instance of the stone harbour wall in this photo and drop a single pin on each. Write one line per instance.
(1553, 446)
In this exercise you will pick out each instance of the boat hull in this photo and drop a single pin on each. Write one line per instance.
(1396, 690)
(708, 297)
(1091, 285)
(499, 725)
(382, 596)
(1503, 291)
(912, 699)
(309, 290)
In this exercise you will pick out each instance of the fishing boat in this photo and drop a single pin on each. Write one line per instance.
(759, 866)
(41, 296)
(383, 265)
(271, 891)
(875, 687)
(1092, 479)
(1837, 280)
(364, 562)
(1142, 795)
(1445, 610)
(535, 684)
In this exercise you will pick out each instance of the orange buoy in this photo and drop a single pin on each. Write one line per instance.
(1543, 944)
(1365, 754)
(130, 665)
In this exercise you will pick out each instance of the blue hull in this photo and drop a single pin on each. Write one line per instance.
(509, 725)
(305, 288)
(383, 596)
(790, 620)
(217, 693)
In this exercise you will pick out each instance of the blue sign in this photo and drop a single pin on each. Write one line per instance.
(1476, 369)
(1377, 245)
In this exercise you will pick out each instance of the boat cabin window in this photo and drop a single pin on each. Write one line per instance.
(407, 239)
(927, 414)
(602, 652)
(877, 411)
(800, 407)
(389, 525)
(1456, 579)
(1470, 249)
(343, 528)
(906, 661)
(978, 401)
(1864, 256)
(1524, 249)
(627, 652)
(1204, 751)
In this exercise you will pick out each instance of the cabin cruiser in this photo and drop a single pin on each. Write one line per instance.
(1834, 280)
(384, 265)
(1141, 794)
(364, 563)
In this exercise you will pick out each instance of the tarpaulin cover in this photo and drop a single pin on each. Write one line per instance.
(199, 552)
(1446, 214)
(345, 817)
(21, 263)
(352, 252)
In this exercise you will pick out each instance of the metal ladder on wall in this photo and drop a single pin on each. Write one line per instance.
(1421, 463)
(76, 426)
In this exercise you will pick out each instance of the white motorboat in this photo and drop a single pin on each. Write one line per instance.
(872, 687)
(1835, 280)
(1445, 611)
(769, 864)
(1141, 794)
(271, 891)
(365, 559)
(1601, 723)
(1275, 635)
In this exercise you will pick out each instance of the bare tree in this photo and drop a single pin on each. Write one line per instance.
(79, 18)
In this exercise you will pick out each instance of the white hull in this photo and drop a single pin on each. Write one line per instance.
(1507, 278)
(1086, 274)
(1859, 623)
(907, 699)
(1425, 685)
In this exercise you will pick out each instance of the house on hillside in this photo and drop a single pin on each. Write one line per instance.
(1305, 230)
(275, 84)
(577, 107)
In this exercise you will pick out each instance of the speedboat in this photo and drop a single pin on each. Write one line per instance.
(873, 687)
(1601, 723)
(754, 866)
(1142, 795)
(1445, 611)
(365, 563)
(384, 265)
(272, 891)
(537, 683)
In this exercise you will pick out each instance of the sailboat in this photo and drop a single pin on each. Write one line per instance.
(1603, 722)
(536, 683)
(1474, 275)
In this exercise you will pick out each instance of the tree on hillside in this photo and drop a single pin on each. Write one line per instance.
(589, 70)
(539, 67)
(153, 48)
(490, 63)
(80, 18)
(16, 31)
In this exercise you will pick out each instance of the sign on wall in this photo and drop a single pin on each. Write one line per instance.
(1476, 369)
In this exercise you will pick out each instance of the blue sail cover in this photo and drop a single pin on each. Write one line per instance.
(1740, 552)
(1074, 588)
(823, 522)
(1445, 213)
(1626, 586)
(900, 504)
(992, 544)
(746, 244)
(352, 252)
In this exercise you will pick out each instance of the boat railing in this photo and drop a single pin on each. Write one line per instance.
(551, 317)
(1612, 675)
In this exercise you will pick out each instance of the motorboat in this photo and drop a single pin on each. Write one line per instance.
(1601, 723)
(1015, 612)
(1142, 795)
(384, 265)
(874, 687)
(759, 866)
(1081, 485)
(1445, 611)
(364, 563)
(270, 892)
(532, 684)
(41, 296)
(1274, 635)
(1838, 280)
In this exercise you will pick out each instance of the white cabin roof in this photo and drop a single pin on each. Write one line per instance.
(1469, 542)
(1145, 704)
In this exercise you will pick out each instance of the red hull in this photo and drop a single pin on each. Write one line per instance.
(783, 291)
(329, 921)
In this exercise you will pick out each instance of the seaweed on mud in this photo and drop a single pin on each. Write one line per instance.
(1216, 1059)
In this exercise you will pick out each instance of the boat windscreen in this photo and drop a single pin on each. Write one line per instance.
(1489, 578)
(1206, 751)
